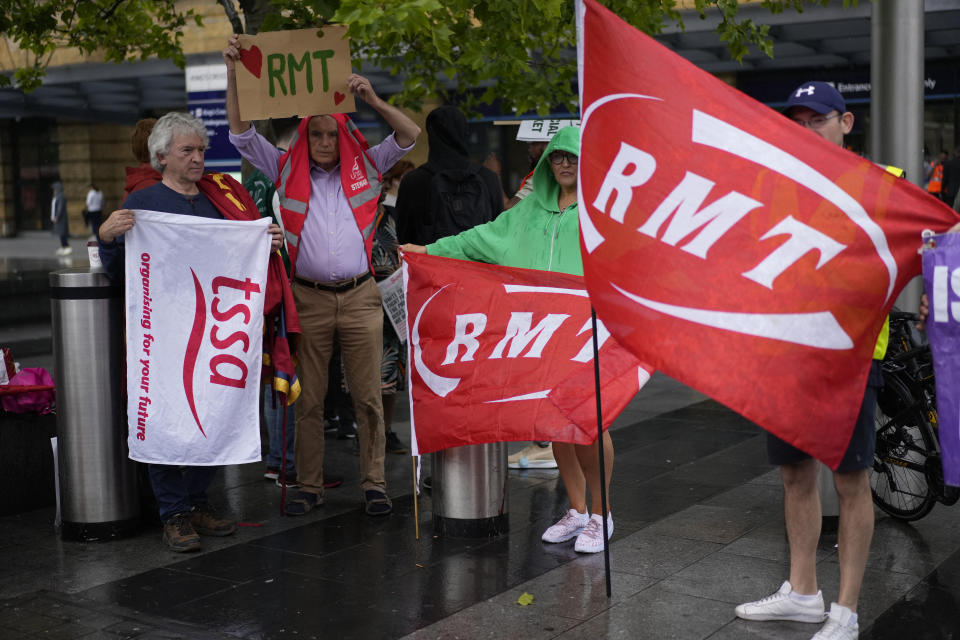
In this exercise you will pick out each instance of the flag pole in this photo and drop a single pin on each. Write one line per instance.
(580, 15)
(283, 451)
(603, 475)
(416, 496)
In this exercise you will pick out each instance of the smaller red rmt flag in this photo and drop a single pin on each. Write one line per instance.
(500, 354)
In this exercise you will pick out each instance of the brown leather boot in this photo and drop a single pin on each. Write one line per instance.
(178, 534)
(208, 522)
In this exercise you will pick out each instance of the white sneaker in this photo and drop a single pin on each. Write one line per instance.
(838, 626)
(533, 457)
(567, 527)
(783, 605)
(591, 539)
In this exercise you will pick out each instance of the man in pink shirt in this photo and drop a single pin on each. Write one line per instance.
(335, 294)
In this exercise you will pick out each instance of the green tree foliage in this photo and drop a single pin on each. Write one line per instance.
(119, 29)
(520, 52)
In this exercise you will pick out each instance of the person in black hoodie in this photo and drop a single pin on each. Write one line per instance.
(449, 193)
(951, 179)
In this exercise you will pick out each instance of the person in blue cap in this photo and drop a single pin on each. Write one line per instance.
(818, 106)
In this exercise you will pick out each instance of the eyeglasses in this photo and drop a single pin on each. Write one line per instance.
(816, 121)
(557, 157)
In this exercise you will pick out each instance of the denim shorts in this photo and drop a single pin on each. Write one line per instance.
(859, 454)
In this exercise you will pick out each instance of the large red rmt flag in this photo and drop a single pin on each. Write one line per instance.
(499, 354)
(731, 248)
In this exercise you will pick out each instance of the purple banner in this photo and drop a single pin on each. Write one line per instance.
(941, 277)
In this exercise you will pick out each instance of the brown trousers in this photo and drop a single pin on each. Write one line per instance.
(355, 317)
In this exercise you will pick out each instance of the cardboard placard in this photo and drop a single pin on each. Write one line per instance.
(286, 73)
(542, 130)
(394, 303)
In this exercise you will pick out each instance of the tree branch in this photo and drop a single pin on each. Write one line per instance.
(232, 16)
(106, 15)
(254, 13)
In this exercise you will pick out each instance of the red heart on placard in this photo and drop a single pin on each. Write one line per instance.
(252, 59)
(338, 97)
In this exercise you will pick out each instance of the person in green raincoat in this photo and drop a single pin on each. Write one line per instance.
(542, 232)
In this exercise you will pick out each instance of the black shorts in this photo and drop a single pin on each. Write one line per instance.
(859, 454)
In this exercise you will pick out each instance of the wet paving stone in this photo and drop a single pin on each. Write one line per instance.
(699, 527)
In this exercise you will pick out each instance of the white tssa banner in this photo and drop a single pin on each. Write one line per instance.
(194, 314)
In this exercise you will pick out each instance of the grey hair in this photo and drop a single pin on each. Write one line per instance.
(175, 122)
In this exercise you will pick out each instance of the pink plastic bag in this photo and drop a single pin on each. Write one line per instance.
(38, 399)
(7, 368)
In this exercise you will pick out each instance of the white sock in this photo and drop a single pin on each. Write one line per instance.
(842, 612)
(802, 598)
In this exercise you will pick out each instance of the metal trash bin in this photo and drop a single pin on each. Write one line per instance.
(470, 491)
(98, 488)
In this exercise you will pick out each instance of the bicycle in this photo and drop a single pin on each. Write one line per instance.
(907, 478)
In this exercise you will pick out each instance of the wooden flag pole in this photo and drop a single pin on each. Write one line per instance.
(283, 452)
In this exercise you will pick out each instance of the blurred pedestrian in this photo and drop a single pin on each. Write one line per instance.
(280, 435)
(534, 151)
(951, 178)
(935, 175)
(449, 193)
(385, 262)
(94, 208)
(58, 215)
(142, 175)
(537, 455)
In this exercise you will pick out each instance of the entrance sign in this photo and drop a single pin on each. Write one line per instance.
(206, 99)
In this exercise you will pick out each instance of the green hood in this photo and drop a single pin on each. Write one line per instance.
(532, 235)
(545, 187)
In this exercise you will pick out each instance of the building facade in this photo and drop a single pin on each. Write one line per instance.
(76, 127)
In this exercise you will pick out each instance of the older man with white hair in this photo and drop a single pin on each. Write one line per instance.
(177, 144)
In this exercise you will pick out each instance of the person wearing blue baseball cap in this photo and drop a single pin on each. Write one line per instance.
(820, 107)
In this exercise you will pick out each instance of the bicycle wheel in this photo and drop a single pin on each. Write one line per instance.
(904, 442)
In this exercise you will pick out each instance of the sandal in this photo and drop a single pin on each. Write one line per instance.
(303, 503)
(376, 503)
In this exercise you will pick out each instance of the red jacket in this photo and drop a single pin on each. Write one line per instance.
(140, 177)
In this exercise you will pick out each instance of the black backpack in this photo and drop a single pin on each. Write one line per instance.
(459, 200)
